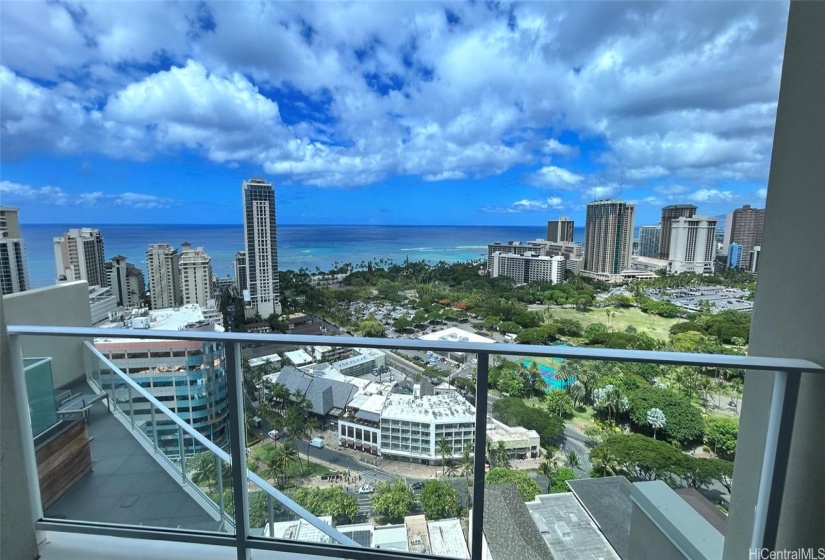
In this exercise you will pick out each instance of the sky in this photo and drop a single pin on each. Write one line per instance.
(465, 113)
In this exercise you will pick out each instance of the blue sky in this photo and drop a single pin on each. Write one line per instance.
(384, 113)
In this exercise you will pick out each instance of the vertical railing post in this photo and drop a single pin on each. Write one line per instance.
(131, 407)
(25, 422)
(182, 451)
(775, 459)
(237, 447)
(477, 526)
(154, 430)
(270, 514)
(221, 505)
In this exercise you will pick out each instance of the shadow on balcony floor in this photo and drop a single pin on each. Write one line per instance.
(127, 485)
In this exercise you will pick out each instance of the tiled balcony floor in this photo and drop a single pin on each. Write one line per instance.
(127, 485)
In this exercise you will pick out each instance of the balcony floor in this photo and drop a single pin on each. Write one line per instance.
(127, 485)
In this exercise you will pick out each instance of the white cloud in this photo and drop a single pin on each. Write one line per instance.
(670, 190)
(558, 177)
(553, 146)
(55, 196)
(527, 205)
(347, 94)
(711, 196)
(762, 194)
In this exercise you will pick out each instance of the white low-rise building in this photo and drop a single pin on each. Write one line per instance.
(298, 358)
(455, 334)
(365, 361)
(413, 425)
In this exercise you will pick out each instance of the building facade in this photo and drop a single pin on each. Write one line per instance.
(744, 226)
(240, 272)
(186, 376)
(734, 255)
(14, 272)
(528, 268)
(78, 255)
(261, 246)
(608, 237)
(649, 241)
(560, 230)
(195, 275)
(127, 282)
(162, 264)
(670, 213)
(754, 260)
(692, 245)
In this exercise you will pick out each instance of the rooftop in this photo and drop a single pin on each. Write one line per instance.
(449, 407)
(567, 528)
(298, 357)
(509, 528)
(447, 538)
(455, 334)
(355, 360)
(298, 530)
(608, 502)
(393, 537)
(273, 358)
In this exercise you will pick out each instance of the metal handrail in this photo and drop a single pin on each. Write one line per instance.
(786, 373)
(755, 363)
(223, 455)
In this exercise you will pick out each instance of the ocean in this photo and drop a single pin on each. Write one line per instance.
(298, 246)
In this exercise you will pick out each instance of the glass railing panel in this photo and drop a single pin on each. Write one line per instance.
(41, 394)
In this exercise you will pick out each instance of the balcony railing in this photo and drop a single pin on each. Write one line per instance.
(786, 374)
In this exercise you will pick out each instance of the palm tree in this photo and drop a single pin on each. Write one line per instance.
(285, 456)
(604, 460)
(573, 460)
(502, 455)
(444, 448)
(203, 469)
(547, 469)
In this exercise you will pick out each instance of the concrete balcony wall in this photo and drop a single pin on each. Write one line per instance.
(65, 304)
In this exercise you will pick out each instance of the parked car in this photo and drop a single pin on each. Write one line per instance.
(366, 489)
(417, 485)
(317, 442)
(274, 434)
(256, 421)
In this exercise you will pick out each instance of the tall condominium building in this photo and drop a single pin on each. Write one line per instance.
(744, 226)
(692, 245)
(162, 265)
(79, 256)
(261, 245)
(126, 281)
(528, 267)
(560, 230)
(649, 241)
(240, 271)
(754, 260)
(195, 275)
(734, 255)
(14, 274)
(608, 237)
(670, 213)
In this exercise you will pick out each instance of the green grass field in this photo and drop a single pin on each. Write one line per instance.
(261, 452)
(652, 325)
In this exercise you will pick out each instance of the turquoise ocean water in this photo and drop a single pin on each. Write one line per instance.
(298, 246)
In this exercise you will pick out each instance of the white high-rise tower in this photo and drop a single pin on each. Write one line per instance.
(195, 275)
(261, 245)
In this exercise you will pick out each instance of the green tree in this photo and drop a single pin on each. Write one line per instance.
(684, 420)
(560, 480)
(392, 500)
(334, 501)
(445, 449)
(559, 403)
(576, 392)
(640, 457)
(656, 420)
(203, 469)
(721, 435)
(526, 486)
(372, 328)
(548, 468)
(573, 460)
(514, 412)
(439, 500)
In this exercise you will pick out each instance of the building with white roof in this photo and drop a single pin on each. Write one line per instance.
(365, 361)
(412, 426)
(392, 537)
(188, 376)
(298, 530)
(519, 442)
(329, 354)
(447, 539)
(455, 334)
(298, 357)
(271, 359)
(360, 427)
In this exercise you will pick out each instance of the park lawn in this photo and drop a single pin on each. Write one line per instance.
(261, 452)
(652, 325)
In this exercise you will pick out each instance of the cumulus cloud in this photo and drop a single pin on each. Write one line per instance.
(711, 196)
(526, 205)
(16, 192)
(344, 94)
(557, 177)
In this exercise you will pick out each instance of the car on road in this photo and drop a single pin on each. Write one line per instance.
(317, 442)
(274, 434)
(366, 489)
(417, 485)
